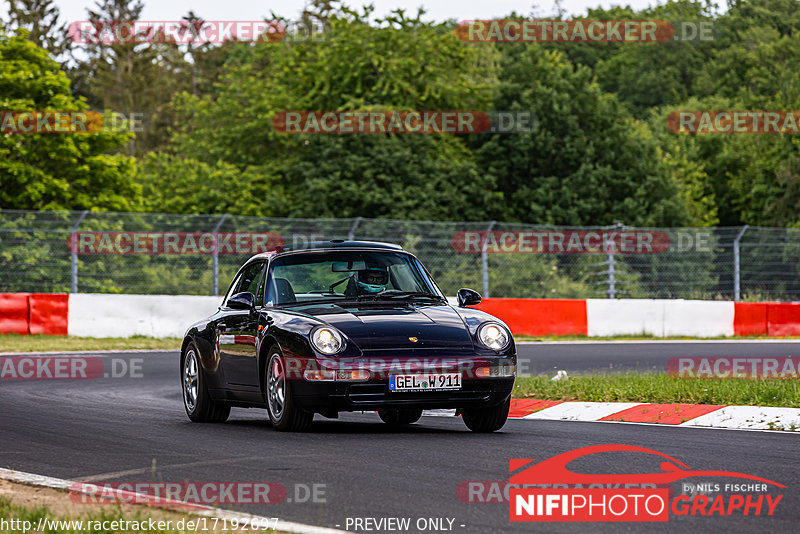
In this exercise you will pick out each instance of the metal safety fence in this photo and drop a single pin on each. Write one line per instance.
(146, 253)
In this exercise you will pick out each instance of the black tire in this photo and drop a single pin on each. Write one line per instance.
(487, 419)
(285, 415)
(400, 416)
(199, 405)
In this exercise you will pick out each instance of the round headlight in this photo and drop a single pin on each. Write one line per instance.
(327, 340)
(493, 336)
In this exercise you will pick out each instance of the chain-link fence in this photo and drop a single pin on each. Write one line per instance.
(148, 253)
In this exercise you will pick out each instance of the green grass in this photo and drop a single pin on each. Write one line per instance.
(661, 388)
(18, 343)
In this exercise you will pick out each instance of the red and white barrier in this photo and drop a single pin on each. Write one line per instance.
(109, 315)
(102, 315)
(661, 318)
(34, 313)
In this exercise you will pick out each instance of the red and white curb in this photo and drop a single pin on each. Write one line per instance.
(684, 415)
(31, 479)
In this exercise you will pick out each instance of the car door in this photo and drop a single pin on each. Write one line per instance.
(238, 329)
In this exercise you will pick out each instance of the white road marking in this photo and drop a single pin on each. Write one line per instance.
(205, 511)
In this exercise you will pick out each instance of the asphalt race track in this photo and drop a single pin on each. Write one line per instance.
(134, 429)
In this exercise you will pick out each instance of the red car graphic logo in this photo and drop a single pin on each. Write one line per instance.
(554, 470)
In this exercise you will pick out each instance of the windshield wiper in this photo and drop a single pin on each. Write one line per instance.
(394, 293)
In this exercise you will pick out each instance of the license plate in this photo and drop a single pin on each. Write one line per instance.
(426, 382)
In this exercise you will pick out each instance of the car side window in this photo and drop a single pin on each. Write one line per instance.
(248, 280)
(232, 290)
(261, 286)
(251, 278)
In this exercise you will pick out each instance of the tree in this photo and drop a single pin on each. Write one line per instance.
(171, 184)
(586, 161)
(41, 19)
(360, 66)
(129, 77)
(55, 171)
(397, 176)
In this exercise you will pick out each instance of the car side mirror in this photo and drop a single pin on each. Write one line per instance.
(468, 297)
(242, 301)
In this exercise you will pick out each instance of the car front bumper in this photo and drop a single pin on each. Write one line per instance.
(375, 394)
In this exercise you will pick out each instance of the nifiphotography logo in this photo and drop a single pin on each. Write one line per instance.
(549, 491)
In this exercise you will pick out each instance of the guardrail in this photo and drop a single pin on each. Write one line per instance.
(104, 315)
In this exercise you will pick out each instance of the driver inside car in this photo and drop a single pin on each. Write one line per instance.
(367, 281)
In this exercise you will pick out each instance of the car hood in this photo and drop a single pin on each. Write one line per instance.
(391, 326)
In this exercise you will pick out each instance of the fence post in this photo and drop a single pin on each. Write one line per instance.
(610, 274)
(611, 271)
(485, 260)
(74, 251)
(351, 235)
(215, 256)
(737, 290)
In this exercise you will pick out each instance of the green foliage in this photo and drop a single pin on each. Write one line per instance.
(359, 66)
(600, 151)
(748, 65)
(41, 19)
(55, 171)
(174, 185)
(346, 176)
(585, 162)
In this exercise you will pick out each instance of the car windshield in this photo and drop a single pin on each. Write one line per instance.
(339, 275)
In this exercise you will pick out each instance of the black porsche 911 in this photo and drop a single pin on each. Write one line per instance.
(346, 326)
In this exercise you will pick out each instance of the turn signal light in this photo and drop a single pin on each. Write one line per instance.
(319, 374)
(330, 376)
(354, 374)
(497, 371)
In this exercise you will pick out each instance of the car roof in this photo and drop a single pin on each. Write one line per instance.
(333, 244)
